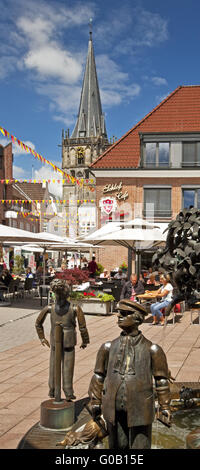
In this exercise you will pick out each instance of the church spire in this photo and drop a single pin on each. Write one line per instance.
(90, 121)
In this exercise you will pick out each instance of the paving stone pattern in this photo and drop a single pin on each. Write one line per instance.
(24, 361)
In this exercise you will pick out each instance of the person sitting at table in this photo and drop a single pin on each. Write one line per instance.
(120, 274)
(51, 271)
(165, 293)
(152, 280)
(104, 274)
(6, 277)
(29, 274)
(132, 288)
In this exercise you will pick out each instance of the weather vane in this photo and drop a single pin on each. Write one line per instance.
(90, 26)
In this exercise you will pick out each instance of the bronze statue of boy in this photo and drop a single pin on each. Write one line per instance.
(65, 313)
(121, 388)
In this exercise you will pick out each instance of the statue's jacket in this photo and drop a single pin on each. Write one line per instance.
(68, 323)
(128, 365)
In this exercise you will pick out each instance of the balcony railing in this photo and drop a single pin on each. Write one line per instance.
(158, 214)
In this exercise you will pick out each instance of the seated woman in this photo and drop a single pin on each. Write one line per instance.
(165, 293)
(105, 274)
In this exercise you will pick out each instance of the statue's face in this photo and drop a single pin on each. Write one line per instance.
(127, 319)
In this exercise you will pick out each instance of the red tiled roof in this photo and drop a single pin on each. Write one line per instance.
(34, 191)
(178, 112)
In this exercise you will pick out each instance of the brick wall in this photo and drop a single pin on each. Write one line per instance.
(6, 172)
(111, 256)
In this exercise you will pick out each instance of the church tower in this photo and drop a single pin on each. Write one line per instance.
(86, 143)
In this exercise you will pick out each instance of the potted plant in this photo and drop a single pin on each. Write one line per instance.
(88, 301)
(123, 267)
(100, 304)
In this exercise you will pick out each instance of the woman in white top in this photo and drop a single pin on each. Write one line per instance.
(165, 293)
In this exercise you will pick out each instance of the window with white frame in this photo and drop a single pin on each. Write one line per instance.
(156, 154)
(159, 199)
(190, 154)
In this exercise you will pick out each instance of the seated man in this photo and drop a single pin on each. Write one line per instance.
(120, 275)
(132, 288)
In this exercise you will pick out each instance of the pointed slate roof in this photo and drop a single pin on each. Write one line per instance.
(178, 112)
(90, 120)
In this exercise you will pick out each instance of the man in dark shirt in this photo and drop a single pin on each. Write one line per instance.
(92, 267)
(132, 288)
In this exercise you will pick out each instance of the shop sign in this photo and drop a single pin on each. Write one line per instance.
(108, 204)
(116, 187)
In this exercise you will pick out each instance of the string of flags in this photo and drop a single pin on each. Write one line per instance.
(45, 201)
(38, 156)
(63, 181)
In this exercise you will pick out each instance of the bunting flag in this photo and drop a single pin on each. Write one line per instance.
(39, 157)
(63, 181)
(45, 201)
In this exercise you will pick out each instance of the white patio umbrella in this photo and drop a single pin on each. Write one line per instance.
(134, 235)
(11, 234)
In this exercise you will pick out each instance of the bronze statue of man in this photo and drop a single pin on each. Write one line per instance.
(121, 388)
(65, 313)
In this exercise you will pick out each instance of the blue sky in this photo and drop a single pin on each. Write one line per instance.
(144, 49)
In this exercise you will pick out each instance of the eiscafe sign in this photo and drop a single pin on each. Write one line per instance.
(110, 188)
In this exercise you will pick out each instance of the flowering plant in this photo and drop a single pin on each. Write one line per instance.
(89, 294)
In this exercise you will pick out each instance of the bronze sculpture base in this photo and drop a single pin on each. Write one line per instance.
(40, 437)
(57, 415)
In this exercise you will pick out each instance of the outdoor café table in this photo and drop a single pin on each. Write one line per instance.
(152, 295)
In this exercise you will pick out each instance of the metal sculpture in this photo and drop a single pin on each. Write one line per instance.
(62, 313)
(181, 257)
(121, 388)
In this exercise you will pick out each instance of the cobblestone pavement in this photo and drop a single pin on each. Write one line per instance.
(24, 362)
(17, 322)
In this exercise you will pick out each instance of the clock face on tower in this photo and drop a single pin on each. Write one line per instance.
(80, 152)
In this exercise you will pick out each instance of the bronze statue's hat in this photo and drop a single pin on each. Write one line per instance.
(130, 306)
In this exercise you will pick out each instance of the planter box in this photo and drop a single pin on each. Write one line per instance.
(94, 307)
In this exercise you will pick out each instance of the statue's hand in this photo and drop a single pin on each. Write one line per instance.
(45, 341)
(94, 410)
(165, 417)
(83, 346)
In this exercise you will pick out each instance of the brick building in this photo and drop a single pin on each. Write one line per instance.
(154, 169)
(17, 200)
(30, 201)
(6, 173)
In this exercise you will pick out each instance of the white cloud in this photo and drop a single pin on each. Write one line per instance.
(52, 62)
(18, 172)
(54, 188)
(147, 29)
(18, 150)
(159, 81)
(151, 28)
(38, 46)
(115, 84)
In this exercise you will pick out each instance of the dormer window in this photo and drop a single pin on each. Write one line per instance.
(156, 154)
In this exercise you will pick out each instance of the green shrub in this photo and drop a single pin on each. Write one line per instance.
(105, 297)
(18, 267)
(99, 270)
